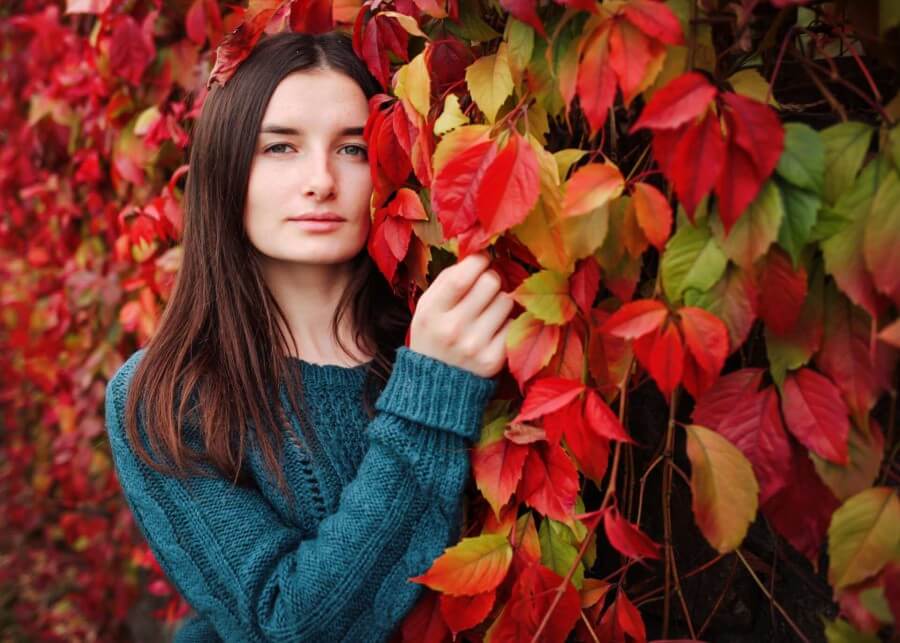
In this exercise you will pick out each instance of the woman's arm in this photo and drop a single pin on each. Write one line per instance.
(253, 578)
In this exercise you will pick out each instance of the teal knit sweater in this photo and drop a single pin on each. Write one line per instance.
(376, 502)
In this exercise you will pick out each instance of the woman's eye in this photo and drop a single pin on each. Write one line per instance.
(277, 146)
(361, 151)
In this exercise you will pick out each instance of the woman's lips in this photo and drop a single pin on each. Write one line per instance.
(318, 225)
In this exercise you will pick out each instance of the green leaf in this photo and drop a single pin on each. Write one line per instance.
(801, 210)
(545, 295)
(846, 145)
(881, 239)
(844, 259)
(520, 38)
(802, 164)
(794, 349)
(863, 536)
(733, 300)
(840, 631)
(866, 448)
(724, 490)
(471, 26)
(490, 82)
(692, 259)
(558, 550)
(753, 233)
(888, 16)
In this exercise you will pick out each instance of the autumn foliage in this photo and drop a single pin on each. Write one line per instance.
(696, 206)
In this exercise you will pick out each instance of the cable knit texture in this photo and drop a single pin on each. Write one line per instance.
(376, 502)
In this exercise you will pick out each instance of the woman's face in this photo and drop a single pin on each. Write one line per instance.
(311, 160)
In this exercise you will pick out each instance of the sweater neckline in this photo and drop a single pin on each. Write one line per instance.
(331, 373)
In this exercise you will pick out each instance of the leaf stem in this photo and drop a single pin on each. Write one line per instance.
(765, 591)
(667, 512)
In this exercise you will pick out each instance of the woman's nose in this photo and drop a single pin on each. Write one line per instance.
(318, 176)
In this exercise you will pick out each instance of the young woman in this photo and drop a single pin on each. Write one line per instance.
(291, 465)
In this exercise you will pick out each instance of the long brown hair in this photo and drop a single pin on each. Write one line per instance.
(213, 368)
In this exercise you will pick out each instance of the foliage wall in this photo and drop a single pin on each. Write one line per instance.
(696, 204)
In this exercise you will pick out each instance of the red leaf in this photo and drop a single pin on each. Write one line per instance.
(312, 16)
(816, 414)
(602, 420)
(590, 450)
(464, 612)
(455, 188)
(584, 283)
(547, 395)
(782, 290)
(406, 205)
(509, 188)
(682, 100)
(497, 468)
(530, 599)
(706, 338)
(447, 60)
(596, 80)
(391, 157)
(379, 37)
(804, 528)
(195, 22)
(751, 421)
(636, 319)
(388, 242)
(526, 11)
(698, 162)
(622, 622)
(655, 19)
(550, 481)
(237, 45)
(757, 130)
(131, 49)
(662, 354)
(630, 53)
(847, 357)
(627, 538)
(737, 185)
(529, 355)
(653, 212)
(424, 623)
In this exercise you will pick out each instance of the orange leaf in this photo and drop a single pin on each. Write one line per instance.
(654, 214)
(473, 566)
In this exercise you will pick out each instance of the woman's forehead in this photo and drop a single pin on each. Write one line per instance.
(315, 99)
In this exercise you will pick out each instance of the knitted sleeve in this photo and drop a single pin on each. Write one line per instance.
(251, 577)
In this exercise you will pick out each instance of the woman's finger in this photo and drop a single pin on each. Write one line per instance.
(497, 346)
(480, 295)
(454, 282)
(492, 317)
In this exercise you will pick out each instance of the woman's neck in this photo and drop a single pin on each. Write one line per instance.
(309, 295)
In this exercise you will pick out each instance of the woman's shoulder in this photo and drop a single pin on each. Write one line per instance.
(120, 382)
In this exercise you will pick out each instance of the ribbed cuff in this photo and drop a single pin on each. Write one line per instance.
(431, 392)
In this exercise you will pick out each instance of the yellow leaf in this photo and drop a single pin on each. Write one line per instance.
(724, 491)
(863, 536)
(473, 566)
(748, 82)
(590, 187)
(413, 83)
(452, 116)
(407, 22)
(567, 158)
(490, 82)
(455, 142)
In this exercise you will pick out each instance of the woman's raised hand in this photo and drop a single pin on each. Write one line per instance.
(462, 319)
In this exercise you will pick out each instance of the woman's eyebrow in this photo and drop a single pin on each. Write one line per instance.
(290, 131)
